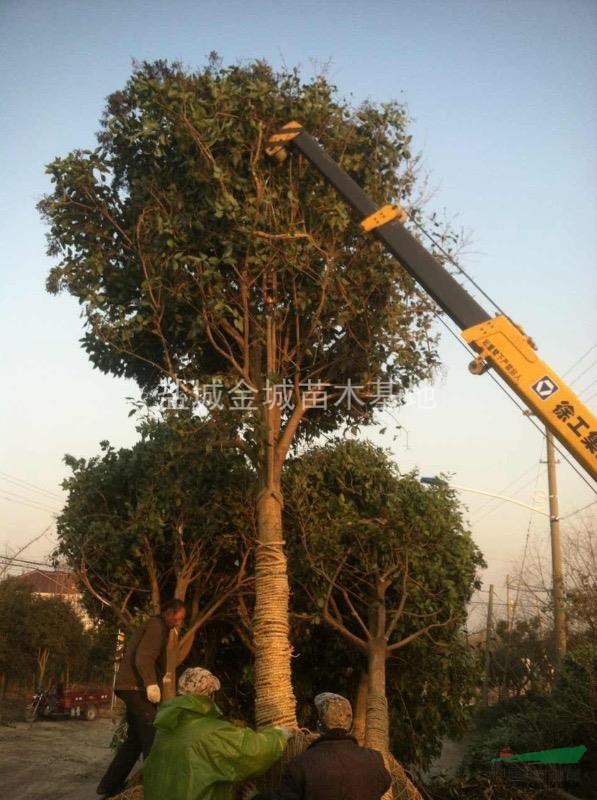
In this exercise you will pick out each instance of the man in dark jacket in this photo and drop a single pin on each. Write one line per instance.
(334, 767)
(139, 684)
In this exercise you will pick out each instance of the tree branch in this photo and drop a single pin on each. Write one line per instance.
(400, 610)
(417, 634)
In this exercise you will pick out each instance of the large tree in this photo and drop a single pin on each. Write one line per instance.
(199, 262)
(389, 566)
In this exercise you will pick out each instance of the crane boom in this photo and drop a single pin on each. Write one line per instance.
(500, 343)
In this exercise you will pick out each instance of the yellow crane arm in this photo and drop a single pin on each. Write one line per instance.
(499, 343)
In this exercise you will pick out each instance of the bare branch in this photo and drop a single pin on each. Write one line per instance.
(400, 610)
(121, 612)
(334, 620)
(220, 598)
(417, 634)
(355, 613)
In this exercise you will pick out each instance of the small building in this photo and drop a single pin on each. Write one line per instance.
(58, 583)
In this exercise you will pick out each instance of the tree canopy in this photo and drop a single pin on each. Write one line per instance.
(41, 639)
(167, 517)
(177, 236)
(199, 262)
(389, 565)
(357, 521)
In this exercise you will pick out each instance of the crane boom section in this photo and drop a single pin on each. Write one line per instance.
(500, 343)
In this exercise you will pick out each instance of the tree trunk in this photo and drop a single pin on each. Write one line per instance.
(274, 698)
(2, 694)
(359, 726)
(377, 733)
(378, 726)
(152, 576)
(169, 682)
(42, 662)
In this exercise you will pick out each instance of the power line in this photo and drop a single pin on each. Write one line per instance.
(483, 603)
(501, 599)
(23, 497)
(508, 394)
(531, 589)
(486, 503)
(578, 510)
(578, 360)
(13, 479)
(590, 386)
(584, 372)
(496, 502)
(512, 614)
(31, 505)
(536, 466)
(563, 454)
(471, 352)
(25, 562)
(454, 263)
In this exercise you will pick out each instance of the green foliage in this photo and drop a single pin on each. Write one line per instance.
(350, 517)
(171, 503)
(565, 717)
(520, 658)
(430, 691)
(172, 232)
(580, 580)
(349, 502)
(30, 625)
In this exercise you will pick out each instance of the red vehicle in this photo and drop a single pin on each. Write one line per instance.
(81, 702)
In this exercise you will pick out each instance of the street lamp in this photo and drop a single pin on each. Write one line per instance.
(442, 482)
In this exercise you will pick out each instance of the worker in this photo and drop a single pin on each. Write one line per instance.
(139, 684)
(196, 754)
(334, 767)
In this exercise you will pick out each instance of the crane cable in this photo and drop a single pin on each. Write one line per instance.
(522, 409)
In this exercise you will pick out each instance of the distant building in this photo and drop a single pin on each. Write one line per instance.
(58, 583)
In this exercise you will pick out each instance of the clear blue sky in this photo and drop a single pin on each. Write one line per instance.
(503, 99)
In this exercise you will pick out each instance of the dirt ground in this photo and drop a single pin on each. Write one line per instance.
(54, 760)
(64, 760)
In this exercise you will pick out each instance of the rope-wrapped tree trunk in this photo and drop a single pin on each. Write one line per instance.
(275, 703)
(274, 697)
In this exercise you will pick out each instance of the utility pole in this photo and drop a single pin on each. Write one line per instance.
(485, 694)
(509, 614)
(559, 614)
(503, 690)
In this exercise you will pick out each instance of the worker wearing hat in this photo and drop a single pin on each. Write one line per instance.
(334, 767)
(198, 755)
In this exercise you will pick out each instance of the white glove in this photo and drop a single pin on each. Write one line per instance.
(286, 732)
(153, 693)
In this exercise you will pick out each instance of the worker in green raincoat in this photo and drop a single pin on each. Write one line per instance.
(197, 755)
